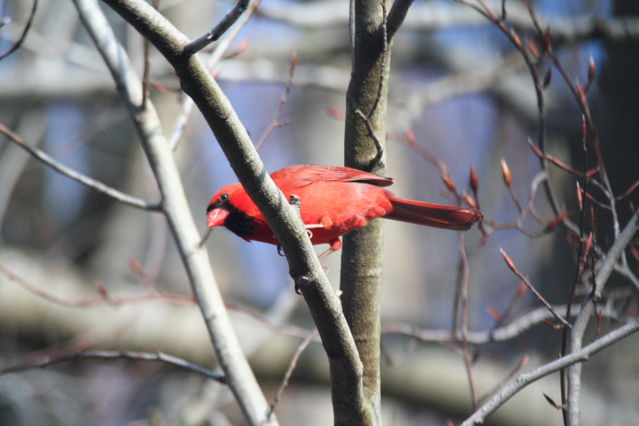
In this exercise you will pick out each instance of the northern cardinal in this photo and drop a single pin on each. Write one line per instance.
(334, 200)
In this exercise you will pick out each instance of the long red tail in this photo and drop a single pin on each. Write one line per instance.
(437, 215)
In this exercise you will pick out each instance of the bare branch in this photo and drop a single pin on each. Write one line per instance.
(581, 323)
(304, 267)
(289, 371)
(371, 133)
(463, 284)
(275, 121)
(100, 354)
(239, 375)
(104, 299)
(229, 19)
(525, 379)
(503, 333)
(96, 185)
(24, 33)
(542, 299)
(214, 59)
(396, 16)
(436, 16)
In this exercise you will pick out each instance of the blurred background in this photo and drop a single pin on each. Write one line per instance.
(456, 83)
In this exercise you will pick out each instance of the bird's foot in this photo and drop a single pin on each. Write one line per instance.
(335, 245)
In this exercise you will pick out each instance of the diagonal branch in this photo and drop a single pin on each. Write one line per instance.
(581, 323)
(304, 266)
(511, 265)
(216, 32)
(175, 207)
(527, 378)
(102, 354)
(514, 329)
(96, 185)
(396, 16)
(25, 31)
(215, 57)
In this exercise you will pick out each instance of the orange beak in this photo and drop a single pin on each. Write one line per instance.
(217, 217)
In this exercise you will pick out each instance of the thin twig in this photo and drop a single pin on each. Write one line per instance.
(542, 299)
(146, 72)
(216, 56)
(24, 33)
(385, 57)
(103, 354)
(289, 371)
(104, 299)
(465, 278)
(96, 185)
(560, 164)
(371, 132)
(155, 295)
(512, 330)
(523, 361)
(216, 32)
(275, 121)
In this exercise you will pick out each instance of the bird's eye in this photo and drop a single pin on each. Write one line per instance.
(219, 202)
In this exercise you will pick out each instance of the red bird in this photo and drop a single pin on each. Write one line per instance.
(334, 200)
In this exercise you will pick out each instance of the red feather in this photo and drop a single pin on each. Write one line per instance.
(334, 200)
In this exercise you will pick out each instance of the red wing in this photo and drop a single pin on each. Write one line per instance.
(299, 176)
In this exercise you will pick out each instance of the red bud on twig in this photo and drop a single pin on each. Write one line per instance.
(470, 201)
(555, 221)
(505, 172)
(135, 265)
(241, 48)
(581, 92)
(532, 48)
(474, 180)
(580, 198)
(592, 70)
(588, 245)
(509, 261)
(494, 313)
(628, 191)
(515, 38)
(522, 289)
(336, 113)
(103, 290)
(552, 402)
(448, 181)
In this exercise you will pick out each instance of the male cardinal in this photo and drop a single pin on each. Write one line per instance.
(334, 200)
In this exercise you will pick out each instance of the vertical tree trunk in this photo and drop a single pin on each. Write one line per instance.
(361, 270)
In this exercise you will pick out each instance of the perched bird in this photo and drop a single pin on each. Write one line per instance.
(334, 200)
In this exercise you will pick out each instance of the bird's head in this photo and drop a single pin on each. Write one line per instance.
(220, 206)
